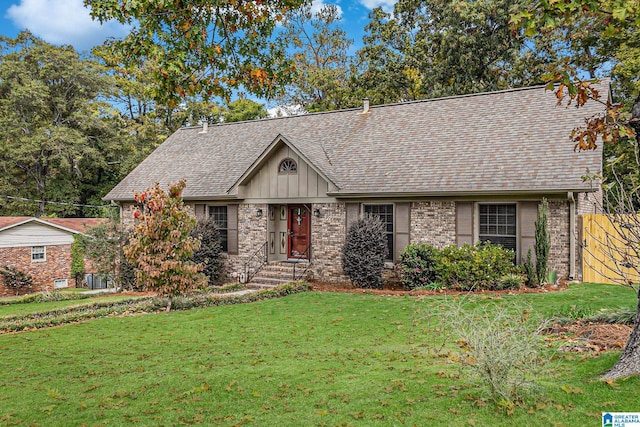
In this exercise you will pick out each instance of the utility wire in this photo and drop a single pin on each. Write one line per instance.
(79, 205)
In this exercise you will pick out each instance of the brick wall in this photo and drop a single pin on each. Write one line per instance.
(252, 232)
(558, 227)
(433, 222)
(56, 266)
(328, 232)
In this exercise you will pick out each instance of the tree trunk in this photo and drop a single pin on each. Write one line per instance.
(629, 361)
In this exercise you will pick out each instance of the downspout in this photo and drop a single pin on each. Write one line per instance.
(572, 235)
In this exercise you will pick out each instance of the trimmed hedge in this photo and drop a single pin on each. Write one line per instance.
(99, 309)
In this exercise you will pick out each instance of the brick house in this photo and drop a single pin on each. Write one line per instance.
(41, 247)
(444, 171)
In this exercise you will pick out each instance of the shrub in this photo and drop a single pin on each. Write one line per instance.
(77, 260)
(15, 279)
(210, 251)
(511, 281)
(530, 271)
(126, 277)
(364, 252)
(500, 347)
(418, 265)
(470, 267)
(161, 246)
(543, 242)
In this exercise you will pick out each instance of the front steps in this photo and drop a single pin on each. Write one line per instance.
(277, 273)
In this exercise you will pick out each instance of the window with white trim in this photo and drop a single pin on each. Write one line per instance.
(38, 253)
(385, 213)
(219, 215)
(60, 283)
(498, 224)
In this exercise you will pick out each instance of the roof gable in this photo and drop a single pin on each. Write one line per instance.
(270, 151)
(69, 225)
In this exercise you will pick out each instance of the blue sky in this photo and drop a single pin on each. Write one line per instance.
(68, 22)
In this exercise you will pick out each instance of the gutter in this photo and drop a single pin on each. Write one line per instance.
(461, 193)
(572, 235)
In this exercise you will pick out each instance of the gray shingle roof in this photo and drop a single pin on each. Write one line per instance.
(508, 141)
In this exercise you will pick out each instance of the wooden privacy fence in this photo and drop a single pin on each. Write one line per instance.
(606, 256)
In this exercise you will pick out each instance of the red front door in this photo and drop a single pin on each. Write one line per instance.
(299, 232)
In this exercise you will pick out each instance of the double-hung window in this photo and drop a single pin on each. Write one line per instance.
(385, 213)
(498, 224)
(219, 215)
(38, 253)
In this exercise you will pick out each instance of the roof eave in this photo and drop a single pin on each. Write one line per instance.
(465, 193)
(198, 198)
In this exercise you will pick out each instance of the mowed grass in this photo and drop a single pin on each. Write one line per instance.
(310, 359)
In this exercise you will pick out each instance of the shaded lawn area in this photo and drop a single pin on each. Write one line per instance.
(13, 309)
(303, 360)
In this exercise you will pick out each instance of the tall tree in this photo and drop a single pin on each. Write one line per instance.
(243, 109)
(602, 34)
(614, 27)
(432, 48)
(201, 47)
(319, 48)
(55, 128)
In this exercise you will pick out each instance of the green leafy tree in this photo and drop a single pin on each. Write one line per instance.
(601, 34)
(319, 49)
(161, 246)
(77, 259)
(201, 47)
(243, 109)
(56, 132)
(101, 245)
(430, 48)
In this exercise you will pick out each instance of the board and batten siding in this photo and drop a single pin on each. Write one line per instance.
(34, 234)
(268, 183)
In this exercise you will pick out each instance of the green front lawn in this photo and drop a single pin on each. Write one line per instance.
(303, 360)
(13, 309)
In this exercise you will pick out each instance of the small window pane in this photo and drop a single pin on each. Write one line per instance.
(385, 213)
(38, 253)
(219, 216)
(498, 225)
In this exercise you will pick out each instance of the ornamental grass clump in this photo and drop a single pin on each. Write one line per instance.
(500, 349)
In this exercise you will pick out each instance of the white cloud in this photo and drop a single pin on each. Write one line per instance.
(386, 5)
(316, 5)
(63, 22)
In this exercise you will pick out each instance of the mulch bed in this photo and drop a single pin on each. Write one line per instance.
(584, 336)
(391, 289)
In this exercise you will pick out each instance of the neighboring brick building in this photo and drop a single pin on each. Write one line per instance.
(41, 248)
(443, 171)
